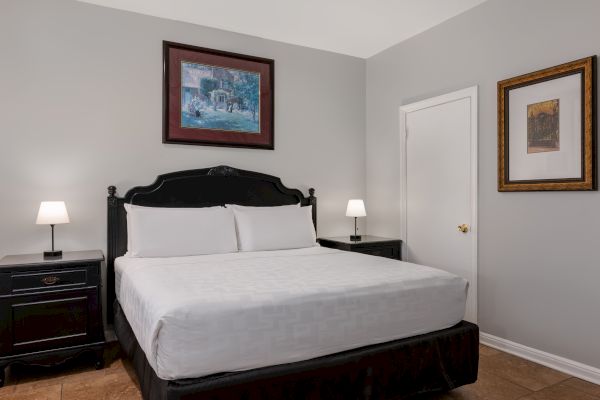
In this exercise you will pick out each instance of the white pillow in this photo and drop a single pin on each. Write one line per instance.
(171, 232)
(274, 228)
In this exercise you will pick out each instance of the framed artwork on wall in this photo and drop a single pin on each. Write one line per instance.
(216, 98)
(547, 129)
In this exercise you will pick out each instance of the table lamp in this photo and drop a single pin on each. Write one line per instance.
(356, 208)
(52, 213)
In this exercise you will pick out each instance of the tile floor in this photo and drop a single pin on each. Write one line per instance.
(501, 377)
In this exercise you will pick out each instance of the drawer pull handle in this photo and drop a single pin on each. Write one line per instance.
(50, 280)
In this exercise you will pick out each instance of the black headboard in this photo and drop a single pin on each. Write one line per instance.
(194, 188)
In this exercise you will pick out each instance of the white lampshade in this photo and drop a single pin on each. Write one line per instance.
(356, 208)
(52, 213)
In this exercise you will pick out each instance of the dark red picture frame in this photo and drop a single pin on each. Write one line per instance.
(173, 130)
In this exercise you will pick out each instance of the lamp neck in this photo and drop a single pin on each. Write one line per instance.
(52, 227)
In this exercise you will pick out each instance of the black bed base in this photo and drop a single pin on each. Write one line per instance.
(434, 362)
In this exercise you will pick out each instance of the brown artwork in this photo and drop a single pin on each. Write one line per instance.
(217, 98)
(543, 127)
(542, 131)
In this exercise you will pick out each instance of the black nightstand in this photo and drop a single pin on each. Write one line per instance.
(373, 245)
(51, 309)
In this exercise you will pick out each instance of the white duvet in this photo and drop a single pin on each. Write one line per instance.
(195, 316)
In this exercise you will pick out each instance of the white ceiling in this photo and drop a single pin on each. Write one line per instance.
(359, 28)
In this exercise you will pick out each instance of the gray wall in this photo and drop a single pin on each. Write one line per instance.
(539, 267)
(80, 109)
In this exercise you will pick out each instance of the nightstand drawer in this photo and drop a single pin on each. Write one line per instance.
(372, 245)
(37, 322)
(42, 280)
(389, 252)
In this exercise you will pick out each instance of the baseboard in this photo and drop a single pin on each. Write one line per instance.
(574, 368)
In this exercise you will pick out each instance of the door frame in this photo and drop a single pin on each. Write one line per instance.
(467, 93)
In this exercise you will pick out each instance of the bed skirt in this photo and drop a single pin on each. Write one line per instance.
(434, 362)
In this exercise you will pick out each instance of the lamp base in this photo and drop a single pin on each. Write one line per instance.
(53, 254)
(356, 238)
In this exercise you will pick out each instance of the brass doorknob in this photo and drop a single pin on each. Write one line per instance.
(464, 228)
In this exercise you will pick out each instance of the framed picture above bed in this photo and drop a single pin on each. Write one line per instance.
(216, 98)
(546, 129)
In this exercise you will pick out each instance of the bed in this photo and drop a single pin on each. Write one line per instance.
(408, 337)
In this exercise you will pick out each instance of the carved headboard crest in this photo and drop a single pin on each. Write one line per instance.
(222, 170)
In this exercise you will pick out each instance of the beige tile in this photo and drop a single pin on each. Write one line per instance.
(487, 351)
(559, 391)
(112, 386)
(6, 390)
(34, 379)
(34, 386)
(85, 376)
(583, 386)
(52, 392)
(489, 387)
(522, 372)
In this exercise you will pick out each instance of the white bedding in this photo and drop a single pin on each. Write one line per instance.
(195, 316)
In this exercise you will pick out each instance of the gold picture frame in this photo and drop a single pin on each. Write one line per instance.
(543, 148)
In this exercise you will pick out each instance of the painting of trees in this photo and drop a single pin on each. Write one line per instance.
(247, 88)
(226, 99)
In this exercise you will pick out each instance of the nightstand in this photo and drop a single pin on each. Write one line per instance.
(373, 245)
(50, 309)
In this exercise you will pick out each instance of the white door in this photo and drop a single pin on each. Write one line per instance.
(439, 186)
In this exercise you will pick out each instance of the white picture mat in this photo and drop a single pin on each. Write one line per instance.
(565, 163)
